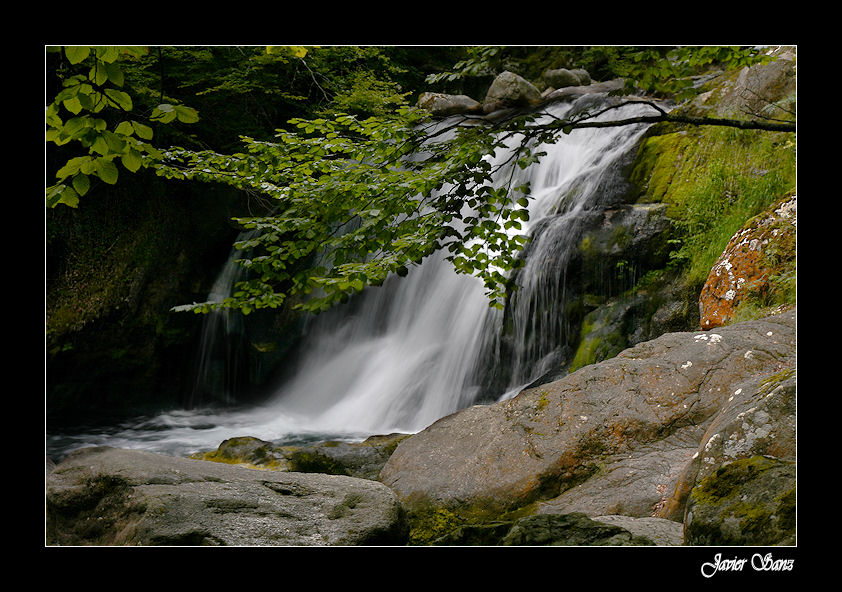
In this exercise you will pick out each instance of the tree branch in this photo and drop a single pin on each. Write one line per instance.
(664, 116)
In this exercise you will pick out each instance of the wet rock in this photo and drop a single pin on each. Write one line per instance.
(573, 92)
(109, 496)
(562, 77)
(565, 529)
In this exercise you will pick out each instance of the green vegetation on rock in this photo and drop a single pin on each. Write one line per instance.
(747, 502)
(713, 180)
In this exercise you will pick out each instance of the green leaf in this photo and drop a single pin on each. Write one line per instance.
(165, 113)
(100, 146)
(69, 197)
(106, 170)
(186, 114)
(74, 105)
(108, 53)
(98, 75)
(115, 142)
(114, 73)
(131, 160)
(81, 183)
(122, 99)
(62, 194)
(76, 54)
(124, 128)
(142, 131)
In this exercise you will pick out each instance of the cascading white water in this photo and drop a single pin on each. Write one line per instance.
(411, 351)
(580, 176)
(219, 361)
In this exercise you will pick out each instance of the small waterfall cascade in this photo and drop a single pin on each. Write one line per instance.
(415, 348)
(219, 359)
(579, 177)
(398, 357)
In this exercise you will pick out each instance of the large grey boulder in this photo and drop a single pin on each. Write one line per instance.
(610, 438)
(758, 419)
(510, 90)
(562, 77)
(442, 104)
(109, 496)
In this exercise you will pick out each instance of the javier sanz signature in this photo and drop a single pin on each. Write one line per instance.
(758, 562)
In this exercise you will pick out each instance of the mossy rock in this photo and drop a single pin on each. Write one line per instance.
(574, 529)
(711, 180)
(747, 502)
(249, 452)
(356, 459)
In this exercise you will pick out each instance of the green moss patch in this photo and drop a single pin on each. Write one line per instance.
(712, 179)
(747, 502)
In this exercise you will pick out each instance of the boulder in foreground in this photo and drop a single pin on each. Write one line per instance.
(109, 496)
(621, 437)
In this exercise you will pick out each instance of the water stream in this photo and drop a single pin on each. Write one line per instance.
(414, 349)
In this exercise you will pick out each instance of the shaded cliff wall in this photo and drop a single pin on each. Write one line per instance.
(113, 268)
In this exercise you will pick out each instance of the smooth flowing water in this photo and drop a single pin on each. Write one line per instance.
(409, 352)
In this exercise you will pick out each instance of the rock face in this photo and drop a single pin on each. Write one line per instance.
(757, 420)
(572, 92)
(108, 496)
(762, 249)
(612, 438)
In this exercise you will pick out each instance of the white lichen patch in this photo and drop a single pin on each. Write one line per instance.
(788, 210)
(712, 441)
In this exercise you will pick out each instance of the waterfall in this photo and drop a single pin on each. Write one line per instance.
(400, 356)
(579, 177)
(219, 359)
(413, 350)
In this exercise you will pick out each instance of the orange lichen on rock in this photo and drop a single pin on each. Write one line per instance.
(744, 268)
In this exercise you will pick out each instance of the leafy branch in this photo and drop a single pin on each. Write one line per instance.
(92, 109)
(355, 203)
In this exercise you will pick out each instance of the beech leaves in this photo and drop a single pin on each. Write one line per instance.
(356, 200)
(84, 110)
